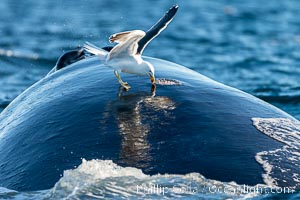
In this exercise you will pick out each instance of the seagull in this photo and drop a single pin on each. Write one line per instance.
(126, 55)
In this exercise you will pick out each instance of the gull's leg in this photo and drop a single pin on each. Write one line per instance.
(124, 84)
(119, 78)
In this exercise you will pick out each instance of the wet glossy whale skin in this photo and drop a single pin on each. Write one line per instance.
(79, 112)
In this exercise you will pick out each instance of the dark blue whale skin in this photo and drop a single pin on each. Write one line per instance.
(78, 112)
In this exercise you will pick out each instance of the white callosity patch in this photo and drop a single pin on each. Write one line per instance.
(282, 165)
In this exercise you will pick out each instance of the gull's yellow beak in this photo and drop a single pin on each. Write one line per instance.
(152, 78)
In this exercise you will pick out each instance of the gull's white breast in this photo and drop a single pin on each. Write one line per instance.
(126, 64)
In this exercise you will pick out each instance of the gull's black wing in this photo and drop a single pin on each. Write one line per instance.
(157, 28)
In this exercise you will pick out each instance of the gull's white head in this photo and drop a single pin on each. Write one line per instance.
(148, 69)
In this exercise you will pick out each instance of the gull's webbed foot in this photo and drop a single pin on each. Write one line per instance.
(125, 86)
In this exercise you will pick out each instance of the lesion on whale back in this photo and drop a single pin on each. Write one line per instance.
(166, 81)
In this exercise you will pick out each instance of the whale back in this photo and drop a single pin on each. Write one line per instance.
(195, 125)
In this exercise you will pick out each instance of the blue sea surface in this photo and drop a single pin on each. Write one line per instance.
(250, 45)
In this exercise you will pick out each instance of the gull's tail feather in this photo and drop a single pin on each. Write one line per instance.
(92, 49)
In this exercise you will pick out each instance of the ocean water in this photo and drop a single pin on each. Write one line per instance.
(250, 45)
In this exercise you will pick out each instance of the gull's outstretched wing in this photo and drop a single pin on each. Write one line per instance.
(128, 43)
(157, 28)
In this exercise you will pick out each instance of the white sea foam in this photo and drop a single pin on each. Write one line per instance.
(103, 179)
(282, 166)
